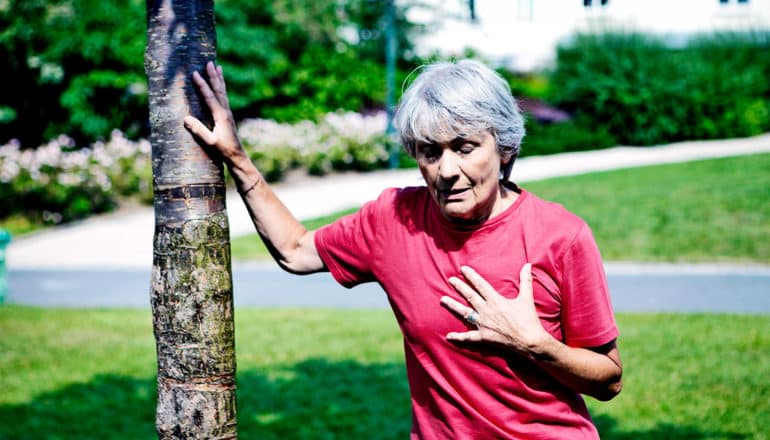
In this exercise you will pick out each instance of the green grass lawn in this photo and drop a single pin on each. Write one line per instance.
(250, 247)
(712, 210)
(323, 374)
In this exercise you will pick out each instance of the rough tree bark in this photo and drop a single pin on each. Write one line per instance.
(191, 287)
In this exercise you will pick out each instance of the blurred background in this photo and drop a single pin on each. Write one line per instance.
(313, 84)
(309, 82)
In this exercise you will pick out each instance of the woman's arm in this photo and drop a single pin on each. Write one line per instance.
(514, 323)
(291, 245)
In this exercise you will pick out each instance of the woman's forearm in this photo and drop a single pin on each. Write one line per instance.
(288, 241)
(594, 372)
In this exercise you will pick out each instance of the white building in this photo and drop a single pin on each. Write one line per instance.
(523, 34)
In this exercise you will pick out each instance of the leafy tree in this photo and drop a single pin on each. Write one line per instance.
(76, 64)
(76, 68)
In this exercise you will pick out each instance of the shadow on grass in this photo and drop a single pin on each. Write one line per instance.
(609, 429)
(314, 399)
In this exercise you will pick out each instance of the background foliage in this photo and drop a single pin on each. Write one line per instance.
(77, 76)
(59, 182)
(77, 65)
(644, 91)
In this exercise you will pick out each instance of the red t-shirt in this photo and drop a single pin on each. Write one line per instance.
(478, 391)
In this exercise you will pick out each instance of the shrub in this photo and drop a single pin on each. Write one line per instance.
(50, 184)
(57, 183)
(561, 137)
(341, 141)
(77, 64)
(644, 91)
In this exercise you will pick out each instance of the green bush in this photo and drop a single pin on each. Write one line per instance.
(338, 142)
(77, 65)
(561, 137)
(50, 186)
(645, 92)
(57, 182)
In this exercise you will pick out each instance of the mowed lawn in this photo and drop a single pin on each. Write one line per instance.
(711, 210)
(339, 374)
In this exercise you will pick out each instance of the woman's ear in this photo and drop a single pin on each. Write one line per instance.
(506, 164)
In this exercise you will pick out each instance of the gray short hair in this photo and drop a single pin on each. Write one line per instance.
(452, 99)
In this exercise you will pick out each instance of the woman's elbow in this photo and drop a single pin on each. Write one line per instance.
(612, 388)
(612, 381)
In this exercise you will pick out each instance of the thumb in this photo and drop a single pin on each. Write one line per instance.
(525, 282)
(197, 128)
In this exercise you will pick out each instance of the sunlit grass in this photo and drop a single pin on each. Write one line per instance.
(711, 210)
(250, 247)
(315, 374)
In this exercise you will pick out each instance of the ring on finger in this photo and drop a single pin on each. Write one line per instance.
(472, 317)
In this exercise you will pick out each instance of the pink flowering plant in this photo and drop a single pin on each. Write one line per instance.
(59, 182)
(339, 142)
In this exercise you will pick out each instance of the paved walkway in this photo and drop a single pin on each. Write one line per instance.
(124, 239)
(634, 287)
(105, 261)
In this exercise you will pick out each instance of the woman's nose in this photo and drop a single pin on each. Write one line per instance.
(448, 167)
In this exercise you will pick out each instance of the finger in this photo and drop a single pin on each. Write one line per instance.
(471, 336)
(467, 292)
(525, 281)
(223, 98)
(206, 90)
(216, 79)
(479, 283)
(217, 111)
(455, 306)
(197, 128)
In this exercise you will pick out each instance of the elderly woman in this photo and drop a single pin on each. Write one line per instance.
(501, 297)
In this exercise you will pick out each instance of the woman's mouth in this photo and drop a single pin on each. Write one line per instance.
(450, 194)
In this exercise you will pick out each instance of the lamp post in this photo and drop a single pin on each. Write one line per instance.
(390, 75)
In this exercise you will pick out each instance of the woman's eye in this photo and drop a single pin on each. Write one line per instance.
(466, 149)
(431, 153)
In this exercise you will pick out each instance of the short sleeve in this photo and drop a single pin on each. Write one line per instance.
(587, 316)
(348, 245)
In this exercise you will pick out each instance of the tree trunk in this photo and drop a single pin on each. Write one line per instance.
(191, 291)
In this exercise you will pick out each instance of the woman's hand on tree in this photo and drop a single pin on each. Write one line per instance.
(223, 136)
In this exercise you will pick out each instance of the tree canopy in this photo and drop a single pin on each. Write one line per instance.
(75, 66)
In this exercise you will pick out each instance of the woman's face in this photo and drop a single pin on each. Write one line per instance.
(462, 175)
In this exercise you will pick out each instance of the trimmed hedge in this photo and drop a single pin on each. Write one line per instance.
(644, 92)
